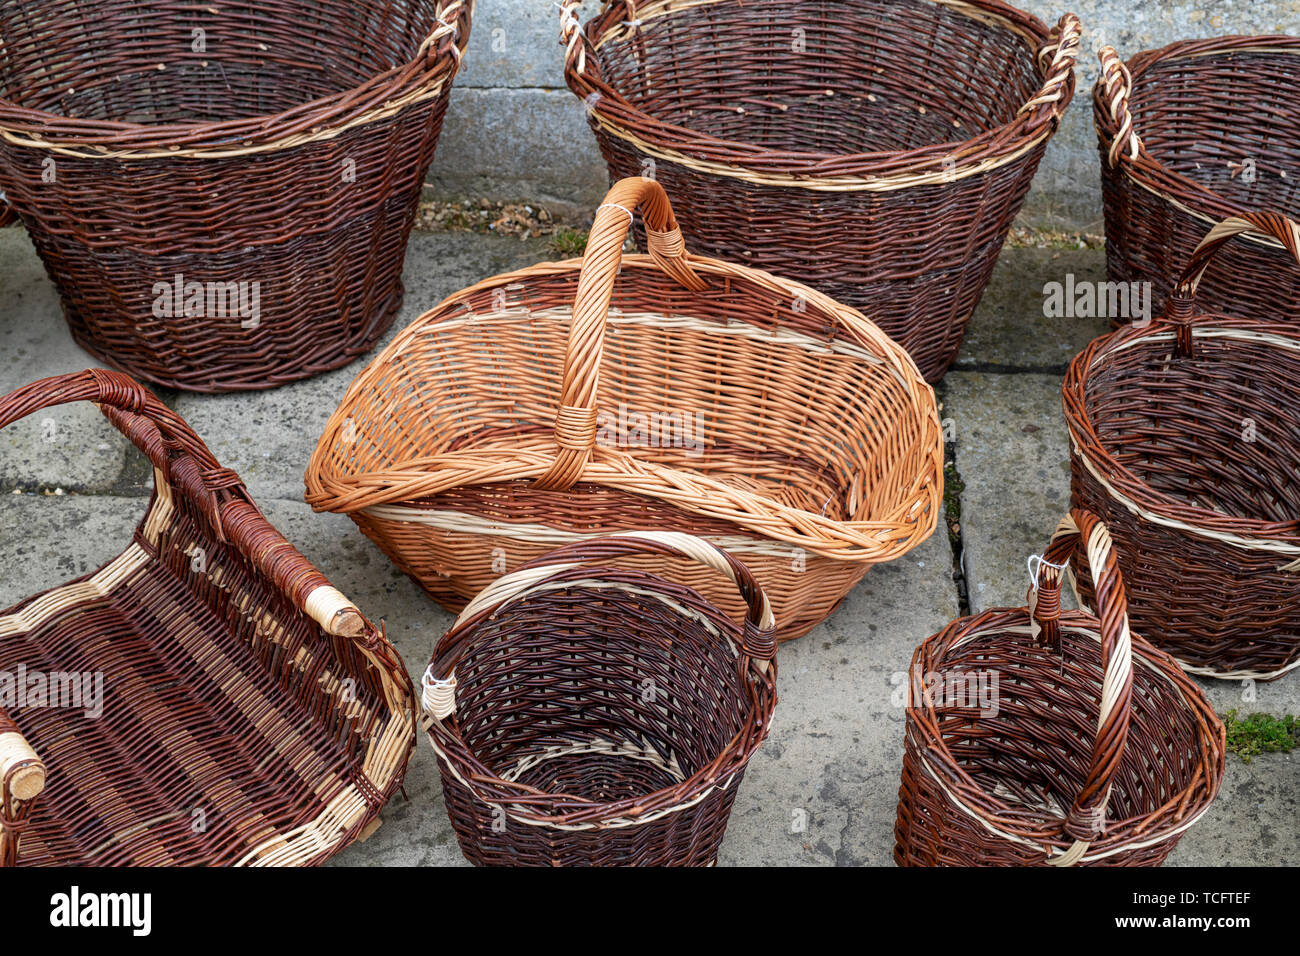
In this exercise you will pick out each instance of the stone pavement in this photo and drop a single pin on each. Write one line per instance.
(834, 754)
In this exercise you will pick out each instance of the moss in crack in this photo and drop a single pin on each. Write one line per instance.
(568, 243)
(1261, 734)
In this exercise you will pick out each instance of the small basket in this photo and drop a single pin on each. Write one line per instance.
(590, 716)
(1183, 440)
(1035, 773)
(250, 714)
(222, 193)
(1197, 132)
(571, 400)
(877, 150)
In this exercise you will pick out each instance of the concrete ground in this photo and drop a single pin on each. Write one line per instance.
(834, 754)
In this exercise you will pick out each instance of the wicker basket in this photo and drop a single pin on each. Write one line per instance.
(223, 192)
(592, 716)
(876, 149)
(250, 714)
(1192, 134)
(1183, 440)
(720, 401)
(1035, 773)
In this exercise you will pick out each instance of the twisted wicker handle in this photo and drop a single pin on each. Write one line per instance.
(1086, 818)
(1114, 88)
(439, 694)
(1063, 48)
(447, 16)
(575, 425)
(128, 405)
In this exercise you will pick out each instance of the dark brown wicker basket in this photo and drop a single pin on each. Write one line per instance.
(250, 714)
(877, 150)
(1184, 440)
(600, 716)
(1035, 773)
(1197, 132)
(223, 192)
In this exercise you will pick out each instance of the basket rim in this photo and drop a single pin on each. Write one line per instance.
(881, 170)
(1217, 525)
(887, 536)
(426, 76)
(1147, 170)
(1018, 621)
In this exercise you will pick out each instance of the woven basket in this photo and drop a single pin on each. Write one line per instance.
(1183, 440)
(223, 192)
(591, 716)
(1192, 134)
(1093, 748)
(250, 714)
(618, 392)
(876, 149)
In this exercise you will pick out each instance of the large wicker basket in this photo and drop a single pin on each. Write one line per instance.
(620, 392)
(1041, 737)
(877, 150)
(1197, 132)
(223, 192)
(585, 715)
(1184, 441)
(249, 714)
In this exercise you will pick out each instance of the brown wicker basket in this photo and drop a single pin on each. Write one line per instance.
(1183, 440)
(617, 392)
(592, 716)
(876, 149)
(250, 714)
(1197, 132)
(1035, 773)
(223, 192)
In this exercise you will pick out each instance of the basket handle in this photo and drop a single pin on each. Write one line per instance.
(1063, 52)
(22, 778)
(757, 641)
(1114, 89)
(447, 16)
(575, 425)
(1086, 818)
(185, 462)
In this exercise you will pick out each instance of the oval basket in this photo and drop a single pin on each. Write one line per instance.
(1192, 134)
(618, 392)
(879, 154)
(249, 715)
(585, 715)
(223, 193)
(1085, 746)
(1183, 442)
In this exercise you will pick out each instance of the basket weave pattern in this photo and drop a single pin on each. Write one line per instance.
(283, 159)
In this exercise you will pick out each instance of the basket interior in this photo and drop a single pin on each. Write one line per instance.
(1215, 431)
(1201, 117)
(832, 76)
(1021, 721)
(692, 381)
(126, 61)
(598, 692)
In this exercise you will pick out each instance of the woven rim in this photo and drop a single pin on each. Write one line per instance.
(422, 78)
(1056, 54)
(753, 644)
(1179, 329)
(1122, 142)
(887, 535)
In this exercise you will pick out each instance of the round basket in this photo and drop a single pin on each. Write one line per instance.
(615, 392)
(223, 193)
(1086, 746)
(1183, 441)
(879, 154)
(591, 716)
(1197, 132)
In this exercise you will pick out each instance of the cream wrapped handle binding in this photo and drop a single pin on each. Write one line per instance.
(575, 424)
(22, 778)
(438, 694)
